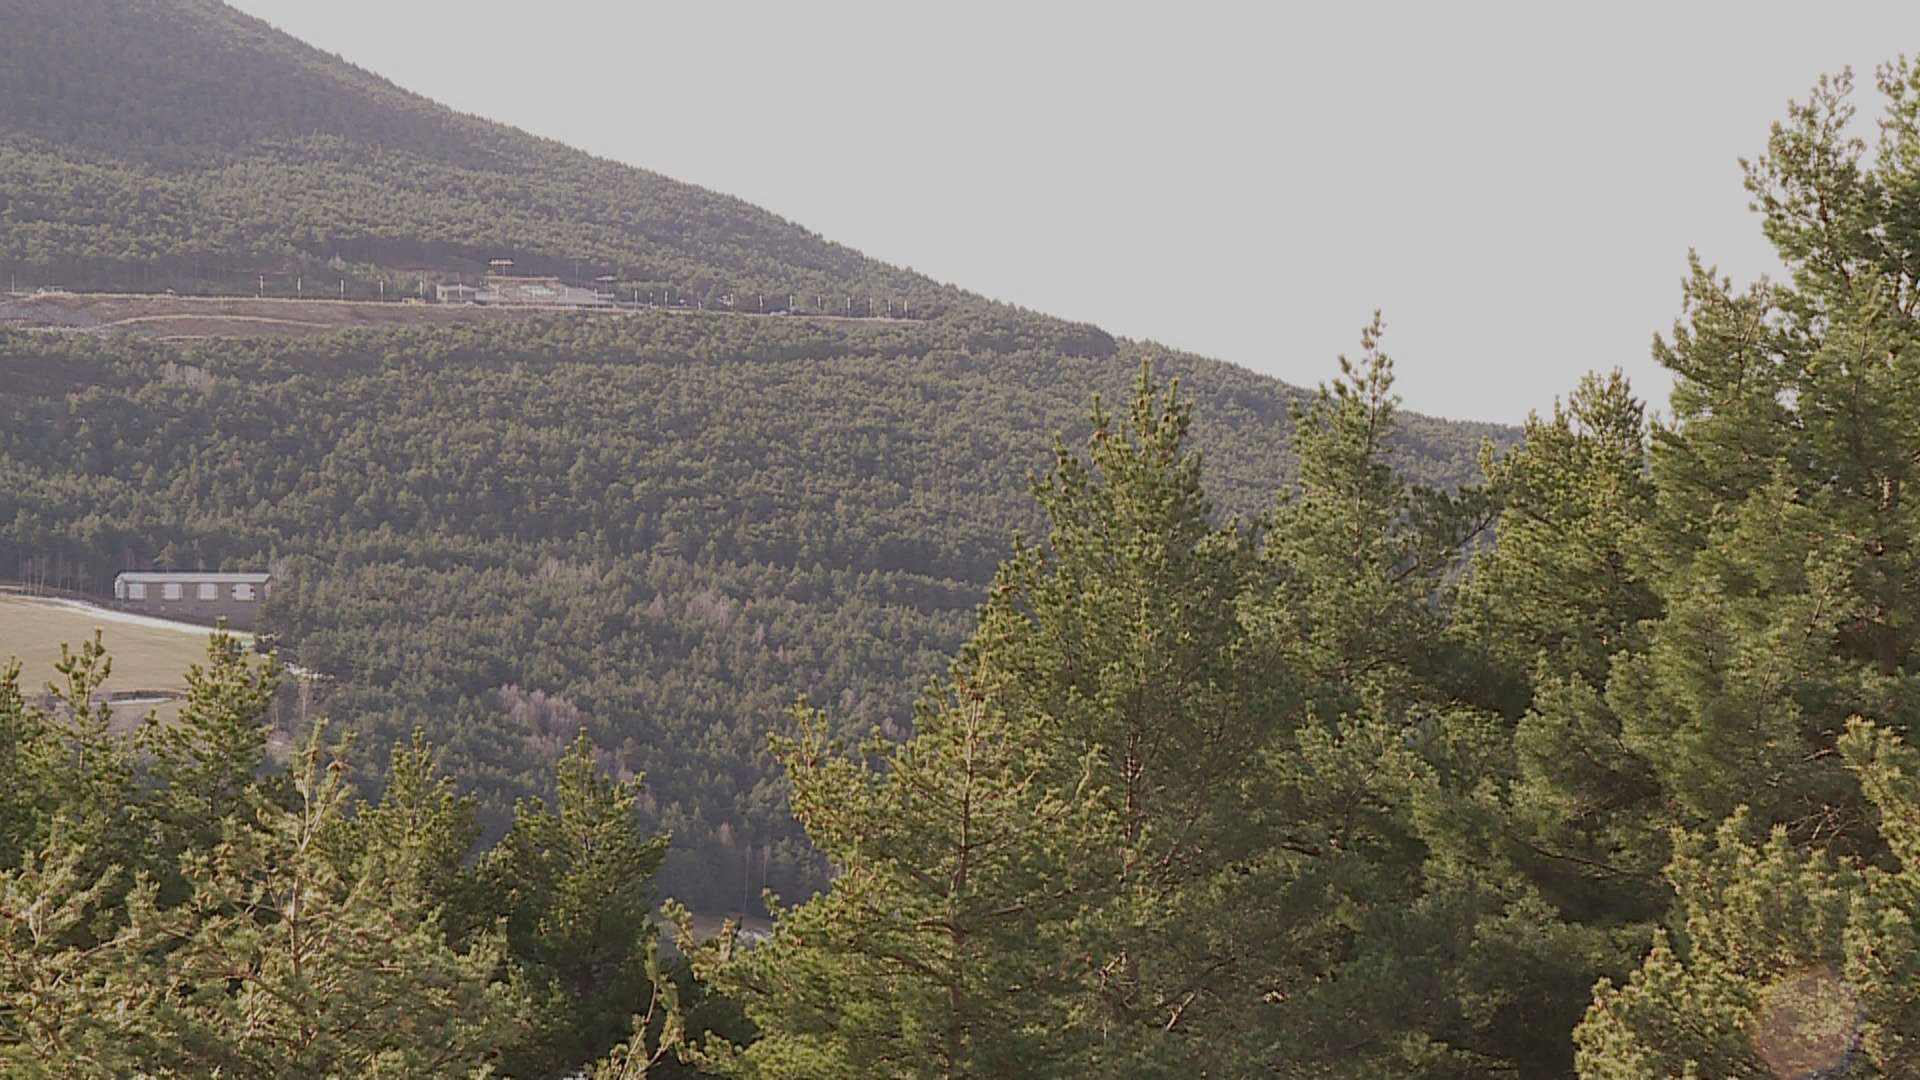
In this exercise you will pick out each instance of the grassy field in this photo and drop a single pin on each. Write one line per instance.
(147, 654)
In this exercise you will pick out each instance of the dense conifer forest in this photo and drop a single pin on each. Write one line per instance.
(662, 528)
(1230, 731)
(659, 528)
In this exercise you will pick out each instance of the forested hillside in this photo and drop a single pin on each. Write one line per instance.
(149, 144)
(1230, 731)
(1634, 797)
(664, 528)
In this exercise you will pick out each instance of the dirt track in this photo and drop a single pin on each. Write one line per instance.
(189, 317)
(186, 318)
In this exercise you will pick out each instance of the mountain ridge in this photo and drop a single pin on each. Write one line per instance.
(230, 147)
(662, 529)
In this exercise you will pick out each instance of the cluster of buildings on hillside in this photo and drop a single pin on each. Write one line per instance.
(500, 290)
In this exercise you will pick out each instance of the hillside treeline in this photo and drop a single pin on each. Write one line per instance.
(1284, 795)
(661, 529)
(187, 146)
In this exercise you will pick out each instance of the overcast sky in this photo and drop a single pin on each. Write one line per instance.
(1516, 186)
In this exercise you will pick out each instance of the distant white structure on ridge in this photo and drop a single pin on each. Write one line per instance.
(501, 290)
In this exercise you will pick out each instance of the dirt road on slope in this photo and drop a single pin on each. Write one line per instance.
(189, 317)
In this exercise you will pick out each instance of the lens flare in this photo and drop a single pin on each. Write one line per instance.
(1809, 1027)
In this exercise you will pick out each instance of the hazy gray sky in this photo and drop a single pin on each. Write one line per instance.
(1516, 185)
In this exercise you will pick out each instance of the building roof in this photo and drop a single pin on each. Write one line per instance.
(163, 576)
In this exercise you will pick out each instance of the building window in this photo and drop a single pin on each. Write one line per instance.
(170, 591)
(209, 591)
(136, 590)
(243, 591)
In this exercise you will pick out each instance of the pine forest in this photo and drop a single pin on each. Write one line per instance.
(971, 695)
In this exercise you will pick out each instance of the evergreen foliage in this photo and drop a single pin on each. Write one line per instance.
(1273, 747)
(1120, 808)
(1645, 761)
(1771, 700)
(224, 917)
(660, 528)
(669, 526)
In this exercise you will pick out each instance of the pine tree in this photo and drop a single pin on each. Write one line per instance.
(1783, 539)
(1051, 876)
(1540, 814)
(280, 964)
(74, 1001)
(206, 765)
(420, 839)
(1357, 557)
(275, 963)
(944, 949)
(1564, 590)
(1396, 954)
(576, 888)
(1240, 889)
(1123, 630)
(90, 773)
(1781, 547)
(25, 795)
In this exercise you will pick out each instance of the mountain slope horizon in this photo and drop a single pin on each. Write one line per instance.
(659, 528)
(210, 146)
(187, 145)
